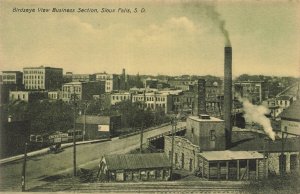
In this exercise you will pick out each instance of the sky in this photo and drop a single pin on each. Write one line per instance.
(170, 37)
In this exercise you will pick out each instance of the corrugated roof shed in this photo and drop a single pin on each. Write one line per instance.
(137, 161)
(230, 155)
(292, 112)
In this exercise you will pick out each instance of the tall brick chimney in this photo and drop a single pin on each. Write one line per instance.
(199, 106)
(228, 94)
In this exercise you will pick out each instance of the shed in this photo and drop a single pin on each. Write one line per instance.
(232, 165)
(134, 167)
(96, 127)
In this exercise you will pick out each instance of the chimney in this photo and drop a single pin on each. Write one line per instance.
(199, 102)
(228, 94)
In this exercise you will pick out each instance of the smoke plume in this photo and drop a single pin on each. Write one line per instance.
(217, 19)
(256, 113)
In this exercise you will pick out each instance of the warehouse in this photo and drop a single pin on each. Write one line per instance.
(134, 167)
(231, 165)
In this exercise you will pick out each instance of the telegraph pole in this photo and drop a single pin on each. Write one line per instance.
(141, 140)
(24, 169)
(173, 123)
(74, 131)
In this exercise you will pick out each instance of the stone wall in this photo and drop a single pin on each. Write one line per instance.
(184, 153)
(274, 162)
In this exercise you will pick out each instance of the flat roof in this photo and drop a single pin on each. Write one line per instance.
(230, 155)
(212, 119)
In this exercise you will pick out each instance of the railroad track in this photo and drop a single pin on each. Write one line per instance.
(138, 188)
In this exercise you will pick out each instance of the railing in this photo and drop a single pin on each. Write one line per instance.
(180, 129)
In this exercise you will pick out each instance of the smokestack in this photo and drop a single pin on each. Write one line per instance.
(228, 93)
(199, 102)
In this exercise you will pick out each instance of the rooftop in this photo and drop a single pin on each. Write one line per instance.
(42, 67)
(260, 144)
(284, 97)
(292, 112)
(230, 155)
(212, 119)
(92, 119)
(137, 161)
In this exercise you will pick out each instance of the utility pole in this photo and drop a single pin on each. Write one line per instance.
(282, 154)
(74, 133)
(86, 105)
(141, 138)
(24, 169)
(173, 123)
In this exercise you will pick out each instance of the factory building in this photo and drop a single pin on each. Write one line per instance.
(206, 132)
(208, 150)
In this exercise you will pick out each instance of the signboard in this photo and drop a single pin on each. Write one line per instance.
(103, 128)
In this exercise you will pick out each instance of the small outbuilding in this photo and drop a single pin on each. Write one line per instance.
(232, 165)
(134, 167)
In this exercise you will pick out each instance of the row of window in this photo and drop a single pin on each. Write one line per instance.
(8, 77)
(71, 88)
(34, 87)
(18, 96)
(33, 77)
(120, 97)
(34, 82)
(33, 72)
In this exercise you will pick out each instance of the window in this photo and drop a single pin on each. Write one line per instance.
(191, 165)
(192, 130)
(212, 135)
(182, 160)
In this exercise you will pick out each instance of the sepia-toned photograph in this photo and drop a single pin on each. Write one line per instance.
(136, 96)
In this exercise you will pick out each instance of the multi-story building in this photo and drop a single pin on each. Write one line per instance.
(42, 78)
(182, 84)
(82, 90)
(254, 91)
(83, 77)
(155, 100)
(27, 96)
(54, 95)
(119, 97)
(112, 81)
(67, 77)
(12, 77)
(10, 81)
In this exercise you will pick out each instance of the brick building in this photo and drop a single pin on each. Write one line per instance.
(82, 90)
(42, 78)
(112, 81)
(27, 96)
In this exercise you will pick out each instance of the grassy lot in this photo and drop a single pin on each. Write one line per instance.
(275, 184)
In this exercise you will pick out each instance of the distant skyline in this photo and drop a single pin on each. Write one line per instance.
(169, 38)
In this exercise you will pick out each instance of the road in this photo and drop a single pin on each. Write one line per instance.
(88, 156)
